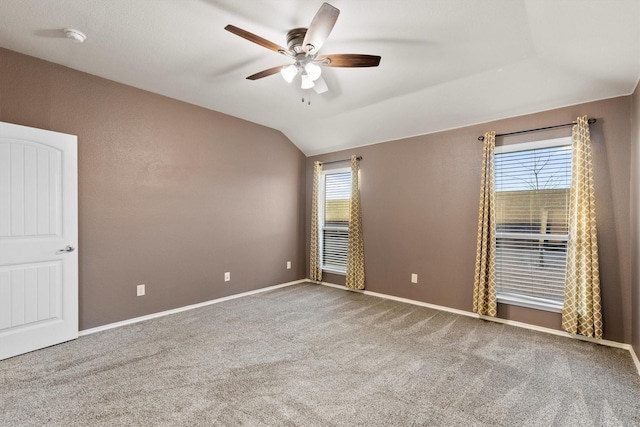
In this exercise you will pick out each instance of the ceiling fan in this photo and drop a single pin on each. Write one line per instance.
(303, 45)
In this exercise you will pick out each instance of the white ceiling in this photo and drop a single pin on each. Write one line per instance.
(445, 63)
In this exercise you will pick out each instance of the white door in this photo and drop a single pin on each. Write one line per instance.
(38, 239)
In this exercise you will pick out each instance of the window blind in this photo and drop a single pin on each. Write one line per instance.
(335, 231)
(532, 199)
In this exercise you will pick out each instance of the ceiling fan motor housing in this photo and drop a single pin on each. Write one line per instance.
(295, 38)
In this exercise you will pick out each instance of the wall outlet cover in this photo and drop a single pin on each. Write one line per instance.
(227, 276)
(414, 278)
(140, 290)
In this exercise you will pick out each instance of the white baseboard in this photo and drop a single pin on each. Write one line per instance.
(185, 308)
(493, 319)
(634, 356)
(400, 299)
(375, 294)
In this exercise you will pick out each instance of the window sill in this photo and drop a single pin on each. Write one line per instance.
(334, 271)
(529, 303)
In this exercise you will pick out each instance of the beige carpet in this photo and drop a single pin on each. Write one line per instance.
(309, 355)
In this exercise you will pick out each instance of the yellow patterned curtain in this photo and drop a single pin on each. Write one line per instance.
(582, 309)
(355, 249)
(315, 268)
(484, 287)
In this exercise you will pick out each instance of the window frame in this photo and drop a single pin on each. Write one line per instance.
(529, 301)
(321, 227)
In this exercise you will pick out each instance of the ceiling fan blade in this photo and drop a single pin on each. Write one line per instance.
(257, 40)
(349, 60)
(320, 28)
(320, 85)
(265, 73)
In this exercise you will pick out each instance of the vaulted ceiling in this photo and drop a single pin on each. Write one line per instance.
(445, 63)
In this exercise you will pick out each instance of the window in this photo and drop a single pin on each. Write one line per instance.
(533, 181)
(334, 220)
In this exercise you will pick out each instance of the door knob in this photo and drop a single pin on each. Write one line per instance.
(69, 248)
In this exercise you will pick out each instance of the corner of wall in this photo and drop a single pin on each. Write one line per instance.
(635, 222)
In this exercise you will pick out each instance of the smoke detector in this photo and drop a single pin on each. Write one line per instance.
(75, 35)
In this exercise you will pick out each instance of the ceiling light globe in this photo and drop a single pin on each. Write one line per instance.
(307, 83)
(289, 72)
(313, 71)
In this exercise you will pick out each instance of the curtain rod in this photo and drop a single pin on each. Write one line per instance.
(339, 161)
(590, 121)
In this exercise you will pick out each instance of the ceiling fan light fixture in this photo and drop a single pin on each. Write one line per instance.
(289, 72)
(313, 71)
(303, 45)
(307, 83)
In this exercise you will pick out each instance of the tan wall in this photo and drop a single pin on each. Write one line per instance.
(173, 195)
(170, 195)
(420, 211)
(635, 218)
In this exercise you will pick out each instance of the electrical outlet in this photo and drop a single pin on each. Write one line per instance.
(227, 276)
(140, 290)
(288, 265)
(414, 278)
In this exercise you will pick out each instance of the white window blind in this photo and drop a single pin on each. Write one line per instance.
(335, 224)
(532, 199)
